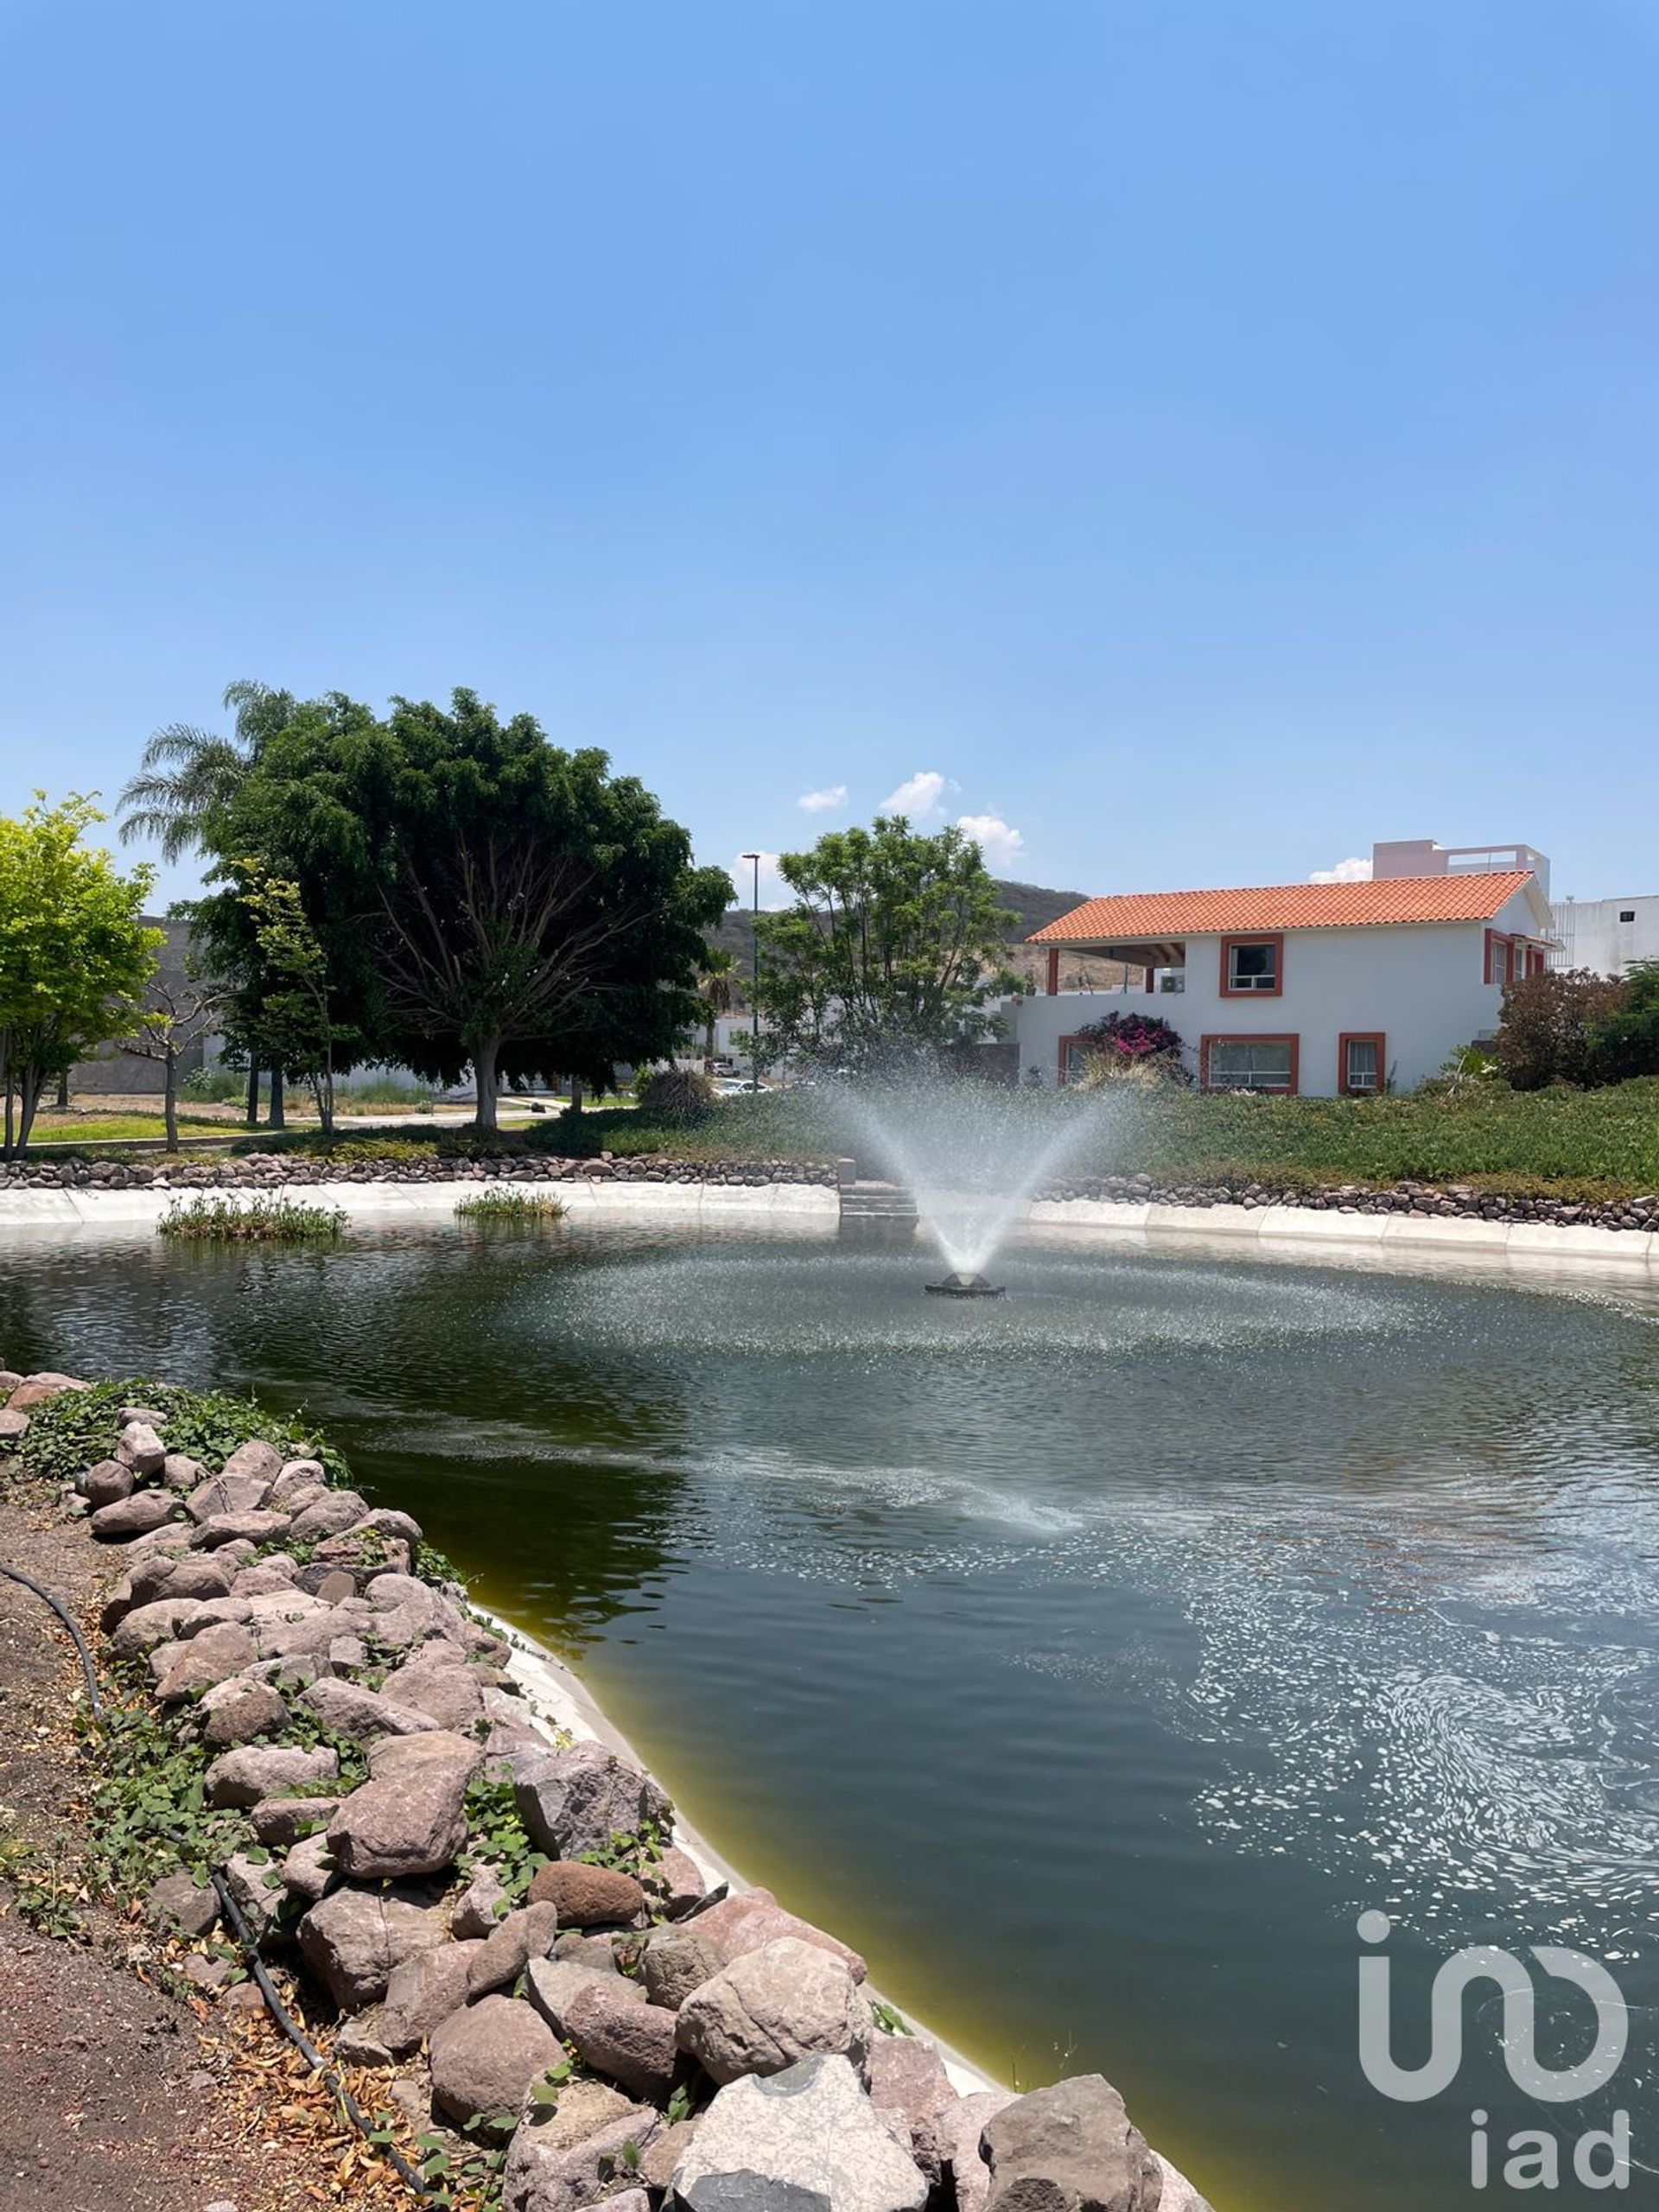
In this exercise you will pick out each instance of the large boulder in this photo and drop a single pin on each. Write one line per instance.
(365, 1716)
(789, 2000)
(423, 1991)
(953, 2147)
(551, 2168)
(753, 1918)
(805, 2140)
(1071, 2148)
(240, 1711)
(255, 1457)
(587, 1896)
(254, 1529)
(678, 1882)
(511, 1945)
(574, 1800)
(908, 2081)
(335, 1511)
(485, 2058)
(141, 1449)
(618, 2037)
(281, 1822)
(676, 1960)
(354, 1938)
(308, 1873)
(255, 1770)
(294, 1476)
(133, 1517)
(222, 1494)
(193, 1576)
(205, 1661)
(554, 1985)
(142, 1627)
(438, 1681)
(37, 1389)
(106, 1484)
(409, 1817)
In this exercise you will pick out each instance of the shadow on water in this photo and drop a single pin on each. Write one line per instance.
(1092, 1656)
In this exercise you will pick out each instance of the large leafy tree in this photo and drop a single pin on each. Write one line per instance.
(75, 953)
(481, 897)
(895, 948)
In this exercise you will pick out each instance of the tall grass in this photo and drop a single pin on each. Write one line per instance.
(253, 1217)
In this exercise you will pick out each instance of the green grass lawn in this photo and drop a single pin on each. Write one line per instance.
(110, 1128)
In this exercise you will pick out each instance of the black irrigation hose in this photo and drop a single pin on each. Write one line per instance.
(73, 1626)
(302, 2042)
(245, 1936)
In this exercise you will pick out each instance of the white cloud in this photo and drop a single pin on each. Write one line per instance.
(833, 795)
(774, 892)
(1352, 870)
(1001, 845)
(918, 796)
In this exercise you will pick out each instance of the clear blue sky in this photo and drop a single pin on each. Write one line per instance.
(1201, 436)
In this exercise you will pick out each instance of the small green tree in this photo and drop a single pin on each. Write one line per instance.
(1626, 1041)
(895, 948)
(75, 953)
(175, 1017)
(295, 1011)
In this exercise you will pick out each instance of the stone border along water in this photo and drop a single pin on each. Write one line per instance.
(731, 2054)
(749, 1195)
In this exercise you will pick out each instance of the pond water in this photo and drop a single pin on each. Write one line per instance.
(1091, 1658)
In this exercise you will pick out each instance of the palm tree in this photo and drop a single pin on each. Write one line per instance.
(715, 988)
(185, 775)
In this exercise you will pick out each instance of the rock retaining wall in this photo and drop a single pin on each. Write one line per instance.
(500, 1911)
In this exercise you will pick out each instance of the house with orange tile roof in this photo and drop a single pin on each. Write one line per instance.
(1331, 990)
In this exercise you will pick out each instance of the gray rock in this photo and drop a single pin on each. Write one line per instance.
(805, 2140)
(133, 1517)
(1179, 2195)
(181, 1472)
(476, 1909)
(255, 1457)
(156, 1418)
(280, 1822)
(142, 1449)
(193, 1576)
(354, 1938)
(106, 1484)
(553, 1984)
(255, 1770)
(574, 1800)
(308, 1870)
(543, 2175)
(335, 1586)
(266, 1578)
(753, 1918)
(789, 2000)
(679, 1882)
(331, 1515)
(953, 2146)
(224, 1494)
(423, 1991)
(205, 1661)
(14, 1425)
(408, 1818)
(510, 1946)
(145, 1626)
(255, 1528)
(438, 1682)
(907, 2078)
(678, 1961)
(240, 1712)
(362, 2040)
(617, 2036)
(485, 2058)
(296, 1475)
(365, 1716)
(1071, 2148)
(584, 2108)
(179, 1900)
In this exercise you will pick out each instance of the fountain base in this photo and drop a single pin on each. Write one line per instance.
(959, 1286)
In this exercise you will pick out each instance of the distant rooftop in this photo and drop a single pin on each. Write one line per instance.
(1158, 916)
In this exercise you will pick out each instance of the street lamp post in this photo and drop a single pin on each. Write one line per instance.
(755, 978)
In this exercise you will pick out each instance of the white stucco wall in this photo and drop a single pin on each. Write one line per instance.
(1593, 937)
(1421, 984)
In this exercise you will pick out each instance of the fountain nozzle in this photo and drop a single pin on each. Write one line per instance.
(960, 1286)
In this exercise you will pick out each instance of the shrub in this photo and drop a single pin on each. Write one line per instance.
(1548, 1029)
(492, 1206)
(218, 1085)
(1138, 1042)
(675, 1094)
(1626, 1041)
(255, 1219)
(369, 1151)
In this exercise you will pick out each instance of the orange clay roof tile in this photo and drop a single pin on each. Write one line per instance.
(1163, 914)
